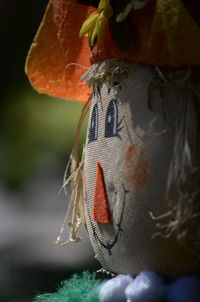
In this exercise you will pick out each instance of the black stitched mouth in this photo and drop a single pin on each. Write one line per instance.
(110, 244)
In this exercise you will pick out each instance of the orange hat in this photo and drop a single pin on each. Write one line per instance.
(164, 34)
(56, 45)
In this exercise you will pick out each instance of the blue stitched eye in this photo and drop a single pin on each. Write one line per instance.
(93, 130)
(112, 125)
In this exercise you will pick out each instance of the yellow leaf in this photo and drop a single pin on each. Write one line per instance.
(106, 7)
(101, 22)
(89, 24)
(94, 26)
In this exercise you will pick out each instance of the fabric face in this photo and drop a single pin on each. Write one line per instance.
(132, 141)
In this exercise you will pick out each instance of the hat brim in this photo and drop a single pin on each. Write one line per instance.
(56, 45)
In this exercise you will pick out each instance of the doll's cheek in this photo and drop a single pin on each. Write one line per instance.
(136, 167)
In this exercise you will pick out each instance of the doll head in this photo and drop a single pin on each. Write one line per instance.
(131, 143)
(141, 170)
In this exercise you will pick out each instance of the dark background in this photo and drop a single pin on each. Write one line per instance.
(36, 137)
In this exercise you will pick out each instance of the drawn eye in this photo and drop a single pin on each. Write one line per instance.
(112, 125)
(93, 130)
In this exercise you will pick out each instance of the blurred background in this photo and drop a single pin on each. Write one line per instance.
(36, 137)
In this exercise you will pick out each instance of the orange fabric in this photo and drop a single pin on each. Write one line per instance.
(57, 44)
(164, 34)
(136, 167)
(100, 211)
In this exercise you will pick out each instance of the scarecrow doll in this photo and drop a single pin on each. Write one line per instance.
(135, 66)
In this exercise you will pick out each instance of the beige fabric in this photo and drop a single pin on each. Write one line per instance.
(135, 162)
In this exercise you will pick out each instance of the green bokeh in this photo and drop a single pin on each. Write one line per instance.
(36, 130)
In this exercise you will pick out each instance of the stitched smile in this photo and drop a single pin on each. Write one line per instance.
(110, 244)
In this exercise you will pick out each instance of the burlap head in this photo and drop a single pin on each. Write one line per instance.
(132, 136)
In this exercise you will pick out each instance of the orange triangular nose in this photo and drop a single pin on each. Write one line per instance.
(100, 211)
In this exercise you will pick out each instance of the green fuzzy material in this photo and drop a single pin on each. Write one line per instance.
(77, 289)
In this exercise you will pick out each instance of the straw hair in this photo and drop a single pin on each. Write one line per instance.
(75, 209)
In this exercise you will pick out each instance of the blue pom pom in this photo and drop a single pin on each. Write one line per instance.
(113, 290)
(184, 289)
(146, 287)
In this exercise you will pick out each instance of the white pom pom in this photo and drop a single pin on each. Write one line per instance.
(185, 289)
(113, 290)
(147, 286)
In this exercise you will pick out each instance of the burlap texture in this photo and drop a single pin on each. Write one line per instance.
(135, 145)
